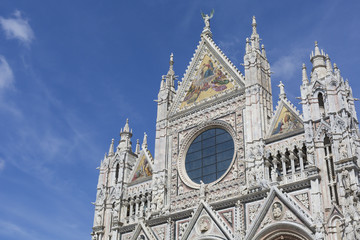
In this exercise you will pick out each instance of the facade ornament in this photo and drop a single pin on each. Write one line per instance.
(202, 189)
(204, 224)
(282, 94)
(206, 19)
(277, 210)
(345, 180)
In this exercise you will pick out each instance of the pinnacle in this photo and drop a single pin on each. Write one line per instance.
(171, 69)
(126, 127)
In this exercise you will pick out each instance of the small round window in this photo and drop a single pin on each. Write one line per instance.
(209, 155)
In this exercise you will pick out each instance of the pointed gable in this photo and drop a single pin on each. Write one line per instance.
(286, 121)
(206, 222)
(209, 75)
(143, 168)
(143, 232)
(279, 207)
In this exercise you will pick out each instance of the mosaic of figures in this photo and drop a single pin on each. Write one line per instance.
(286, 123)
(209, 80)
(143, 170)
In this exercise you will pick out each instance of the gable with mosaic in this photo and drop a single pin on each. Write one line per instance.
(209, 80)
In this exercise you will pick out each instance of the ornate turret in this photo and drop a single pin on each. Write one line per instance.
(257, 75)
(125, 138)
(318, 61)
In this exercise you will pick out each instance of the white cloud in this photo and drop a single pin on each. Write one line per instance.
(285, 67)
(12, 229)
(6, 74)
(17, 27)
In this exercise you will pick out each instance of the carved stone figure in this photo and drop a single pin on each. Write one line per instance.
(277, 210)
(207, 18)
(202, 189)
(345, 179)
(204, 224)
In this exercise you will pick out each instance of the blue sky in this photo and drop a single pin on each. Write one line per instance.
(71, 72)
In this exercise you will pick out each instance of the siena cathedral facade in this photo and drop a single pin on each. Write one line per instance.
(228, 166)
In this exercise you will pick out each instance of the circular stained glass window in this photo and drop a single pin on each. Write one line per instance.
(209, 155)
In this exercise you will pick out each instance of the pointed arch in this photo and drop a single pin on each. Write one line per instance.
(321, 103)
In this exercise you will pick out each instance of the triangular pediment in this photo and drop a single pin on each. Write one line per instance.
(207, 223)
(279, 208)
(143, 232)
(286, 121)
(334, 212)
(323, 128)
(143, 169)
(209, 76)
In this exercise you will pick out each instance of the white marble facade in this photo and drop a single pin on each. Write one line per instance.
(291, 175)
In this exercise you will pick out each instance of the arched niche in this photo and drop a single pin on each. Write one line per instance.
(284, 231)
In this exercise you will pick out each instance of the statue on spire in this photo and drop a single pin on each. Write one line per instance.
(207, 18)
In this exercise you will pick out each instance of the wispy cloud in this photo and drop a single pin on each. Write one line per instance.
(17, 27)
(286, 66)
(2, 164)
(6, 74)
(10, 228)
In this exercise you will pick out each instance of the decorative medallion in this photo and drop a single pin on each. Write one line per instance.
(204, 224)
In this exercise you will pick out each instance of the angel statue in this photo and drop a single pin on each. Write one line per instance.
(207, 18)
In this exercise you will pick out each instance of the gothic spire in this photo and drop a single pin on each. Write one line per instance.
(111, 149)
(253, 26)
(305, 79)
(328, 63)
(126, 127)
(255, 40)
(144, 144)
(170, 77)
(171, 63)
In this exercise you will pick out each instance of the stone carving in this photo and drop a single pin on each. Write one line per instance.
(181, 228)
(160, 232)
(101, 195)
(277, 210)
(349, 230)
(98, 220)
(345, 180)
(253, 209)
(319, 227)
(204, 224)
(304, 199)
(229, 217)
(267, 220)
(289, 216)
(343, 149)
(202, 189)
